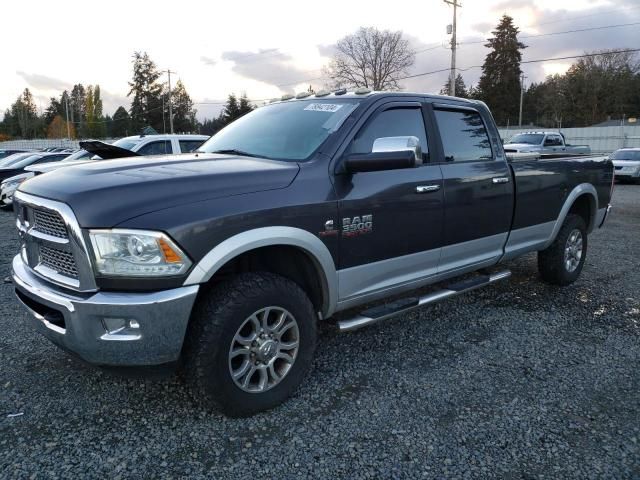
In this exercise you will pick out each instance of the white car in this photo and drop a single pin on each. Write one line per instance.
(626, 162)
(10, 185)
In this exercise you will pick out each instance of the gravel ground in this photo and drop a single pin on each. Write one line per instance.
(519, 380)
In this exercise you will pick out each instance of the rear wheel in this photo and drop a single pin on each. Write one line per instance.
(250, 343)
(562, 262)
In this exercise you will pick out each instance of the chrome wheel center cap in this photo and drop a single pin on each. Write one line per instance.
(267, 349)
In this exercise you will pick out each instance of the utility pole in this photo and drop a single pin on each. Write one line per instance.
(452, 77)
(522, 78)
(66, 108)
(169, 72)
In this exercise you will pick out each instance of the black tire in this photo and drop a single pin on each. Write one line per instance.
(217, 317)
(551, 261)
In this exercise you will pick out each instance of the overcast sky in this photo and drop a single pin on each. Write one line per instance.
(269, 48)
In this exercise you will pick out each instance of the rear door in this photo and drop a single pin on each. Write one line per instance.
(478, 189)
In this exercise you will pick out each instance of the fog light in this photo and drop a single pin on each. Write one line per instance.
(121, 329)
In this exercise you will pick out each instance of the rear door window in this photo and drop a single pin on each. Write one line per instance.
(159, 147)
(464, 135)
(187, 146)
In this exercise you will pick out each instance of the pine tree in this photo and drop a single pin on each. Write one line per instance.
(146, 106)
(231, 110)
(245, 106)
(499, 84)
(461, 88)
(184, 115)
(121, 126)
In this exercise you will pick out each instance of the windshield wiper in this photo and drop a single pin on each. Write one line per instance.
(235, 151)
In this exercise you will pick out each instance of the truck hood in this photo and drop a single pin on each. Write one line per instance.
(106, 193)
(521, 146)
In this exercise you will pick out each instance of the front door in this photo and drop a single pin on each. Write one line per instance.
(478, 191)
(391, 224)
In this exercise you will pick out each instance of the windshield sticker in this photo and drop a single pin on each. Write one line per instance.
(323, 107)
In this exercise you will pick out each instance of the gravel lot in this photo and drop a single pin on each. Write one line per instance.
(520, 380)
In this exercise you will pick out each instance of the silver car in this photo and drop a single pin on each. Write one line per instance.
(627, 164)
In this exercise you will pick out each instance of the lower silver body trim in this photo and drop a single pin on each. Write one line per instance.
(160, 317)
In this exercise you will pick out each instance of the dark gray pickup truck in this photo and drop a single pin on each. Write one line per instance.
(226, 260)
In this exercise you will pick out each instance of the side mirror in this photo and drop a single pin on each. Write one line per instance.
(388, 153)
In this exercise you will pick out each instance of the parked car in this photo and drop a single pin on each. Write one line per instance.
(17, 167)
(146, 145)
(544, 143)
(627, 164)
(226, 259)
(14, 158)
(10, 151)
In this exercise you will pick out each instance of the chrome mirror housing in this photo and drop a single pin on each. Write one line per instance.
(399, 144)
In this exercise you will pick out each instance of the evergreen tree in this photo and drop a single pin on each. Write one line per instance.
(54, 109)
(461, 88)
(231, 110)
(121, 126)
(184, 115)
(499, 84)
(244, 106)
(146, 106)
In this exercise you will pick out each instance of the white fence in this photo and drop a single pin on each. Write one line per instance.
(600, 139)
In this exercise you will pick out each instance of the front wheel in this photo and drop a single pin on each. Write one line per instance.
(250, 343)
(562, 262)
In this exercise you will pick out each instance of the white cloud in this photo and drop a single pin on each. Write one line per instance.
(272, 43)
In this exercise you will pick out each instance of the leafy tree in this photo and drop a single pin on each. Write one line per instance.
(371, 58)
(184, 115)
(146, 105)
(499, 84)
(121, 126)
(58, 128)
(77, 107)
(461, 88)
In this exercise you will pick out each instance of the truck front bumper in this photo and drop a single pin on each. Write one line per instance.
(108, 328)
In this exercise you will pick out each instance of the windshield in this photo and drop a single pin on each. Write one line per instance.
(282, 131)
(528, 138)
(25, 161)
(626, 155)
(126, 143)
(11, 159)
(79, 155)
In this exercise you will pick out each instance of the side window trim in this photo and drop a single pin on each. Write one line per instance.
(459, 108)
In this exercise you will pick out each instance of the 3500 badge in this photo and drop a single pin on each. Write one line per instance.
(357, 225)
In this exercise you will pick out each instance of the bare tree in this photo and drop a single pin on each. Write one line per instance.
(371, 58)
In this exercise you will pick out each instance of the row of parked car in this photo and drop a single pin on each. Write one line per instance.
(16, 166)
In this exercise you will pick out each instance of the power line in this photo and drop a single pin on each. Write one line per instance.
(540, 60)
(561, 33)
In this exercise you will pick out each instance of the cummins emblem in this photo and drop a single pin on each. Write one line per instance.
(357, 225)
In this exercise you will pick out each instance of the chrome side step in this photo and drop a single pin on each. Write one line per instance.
(384, 312)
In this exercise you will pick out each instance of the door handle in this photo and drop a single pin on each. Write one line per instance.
(427, 188)
(500, 179)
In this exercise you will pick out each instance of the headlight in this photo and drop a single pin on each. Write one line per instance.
(137, 253)
(13, 183)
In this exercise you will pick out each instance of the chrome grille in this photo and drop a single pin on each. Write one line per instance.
(53, 245)
(58, 260)
(50, 223)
